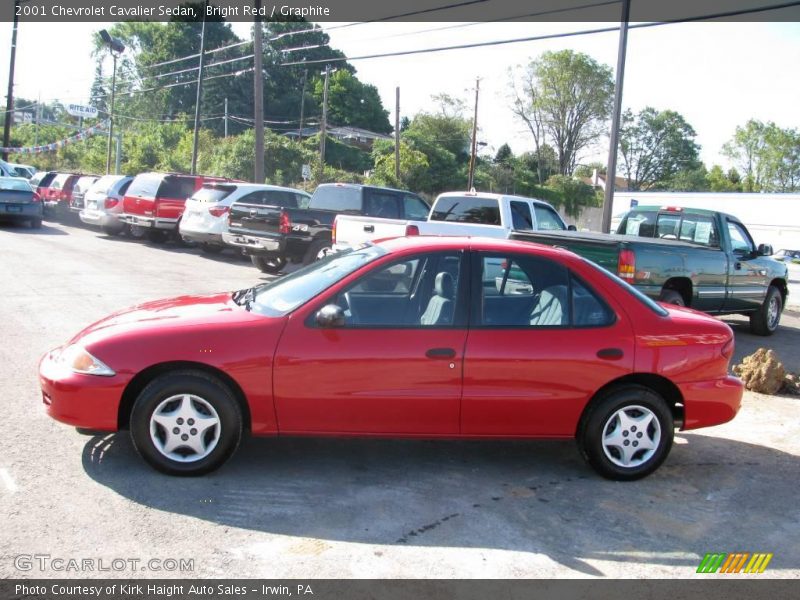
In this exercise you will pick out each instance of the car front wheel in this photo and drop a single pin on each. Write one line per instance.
(627, 433)
(186, 423)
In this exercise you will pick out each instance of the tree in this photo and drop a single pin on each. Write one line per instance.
(351, 102)
(782, 159)
(572, 193)
(413, 166)
(746, 148)
(655, 146)
(565, 98)
(504, 155)
(719, 181)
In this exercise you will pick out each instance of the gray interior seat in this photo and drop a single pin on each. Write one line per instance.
(551, 308)
(440, 306)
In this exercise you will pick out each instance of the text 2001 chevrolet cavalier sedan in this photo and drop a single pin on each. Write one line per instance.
(417, 337)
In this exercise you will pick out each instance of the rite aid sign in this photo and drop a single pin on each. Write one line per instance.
(78, 110)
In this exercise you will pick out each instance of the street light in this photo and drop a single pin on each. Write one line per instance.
(115, 48)
(10, 96)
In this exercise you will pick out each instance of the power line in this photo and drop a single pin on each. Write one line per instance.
(720, 15)
(197, 55)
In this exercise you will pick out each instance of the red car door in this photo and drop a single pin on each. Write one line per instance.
(541, 343)
(393, 367)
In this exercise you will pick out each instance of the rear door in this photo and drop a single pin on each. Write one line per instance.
(395, 365)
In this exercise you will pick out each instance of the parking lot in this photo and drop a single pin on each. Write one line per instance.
(284, 508)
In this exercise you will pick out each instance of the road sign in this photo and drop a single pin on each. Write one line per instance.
(306, 172)
(78, 110)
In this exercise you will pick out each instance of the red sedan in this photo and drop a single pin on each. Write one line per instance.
(414, 337)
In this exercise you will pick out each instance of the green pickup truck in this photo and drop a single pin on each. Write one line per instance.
(690, 257)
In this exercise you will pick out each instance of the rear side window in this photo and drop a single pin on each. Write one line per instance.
(641, 224)
(415, 208)
(336, 198)
(547, 219)
(378, 203)
(467, 209)
(280, 198)
(213, 194)
(43, 180)
(521, 215)
(125, 186)
(176, 187)
(146, 185)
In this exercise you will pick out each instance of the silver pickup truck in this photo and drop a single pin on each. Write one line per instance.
(455, 213)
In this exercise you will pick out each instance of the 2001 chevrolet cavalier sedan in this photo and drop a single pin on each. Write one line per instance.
(412, 337)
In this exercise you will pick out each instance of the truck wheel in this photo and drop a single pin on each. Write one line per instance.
(672, 297)
(766, 319)
(627, 433)
(137, 232)
(269, 264)
(317, 251)
(186, 423)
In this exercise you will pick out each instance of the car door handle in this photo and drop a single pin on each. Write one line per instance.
(369, 228)
(737, 265)
(441, 353)
(610, 353)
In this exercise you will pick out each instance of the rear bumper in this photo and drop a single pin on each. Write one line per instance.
(86, 401)
(202, 237)
(254, 245)
(98, 218)
(14, 212)
(150, 222)
(708, 403)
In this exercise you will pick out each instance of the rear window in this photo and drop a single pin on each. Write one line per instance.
(213, 194)
(336, 198)
(84, 183)
(176, 187)
(43, 179)
(60, 180)
(466, 209)
(145, 185)
(14, 185)
(104, 184)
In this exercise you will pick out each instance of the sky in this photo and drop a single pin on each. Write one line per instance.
(717, 75)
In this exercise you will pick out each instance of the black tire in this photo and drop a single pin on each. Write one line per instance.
(269, 264)
(203, 391)
(602, 417)
(766, 319)
(672, 297)
(136, 232)
(156, 236)
(112, 231)
(35, 223)
(317, 250)
(207, 248)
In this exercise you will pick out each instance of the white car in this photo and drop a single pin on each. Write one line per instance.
(103, 203)
(205, 218)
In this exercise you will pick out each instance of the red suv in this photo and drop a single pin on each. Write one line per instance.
(58, 195)
(154, 202)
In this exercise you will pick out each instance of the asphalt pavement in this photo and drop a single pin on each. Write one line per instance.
(304, 508)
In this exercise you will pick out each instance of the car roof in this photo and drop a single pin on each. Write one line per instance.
(493, 196)
(443, 242)
(254, 186)
(364, 185)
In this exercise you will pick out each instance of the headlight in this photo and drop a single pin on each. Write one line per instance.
(79, 360)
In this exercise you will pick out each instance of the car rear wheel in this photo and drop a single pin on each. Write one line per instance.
(137, 232)
(767, 318)
(186, 423)
(211, 248)
(317, 251)
(269, 264)
(627, 433)
(672, 297)
(35, 223)
(111, 231)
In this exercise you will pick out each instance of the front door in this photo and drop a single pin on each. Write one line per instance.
(393, 367)
(747, 279)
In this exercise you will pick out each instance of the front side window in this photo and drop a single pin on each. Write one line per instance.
(384, 205)
(467, 209)
(740, 239)
(699, 229)
(419, 291)
(414, 208)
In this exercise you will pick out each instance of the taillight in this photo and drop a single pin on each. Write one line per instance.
(111, 202)
(627, 265)
(412, 230)
(36, 197)
(333, 229)
(727, 349)
(219, 211)
(285, 223)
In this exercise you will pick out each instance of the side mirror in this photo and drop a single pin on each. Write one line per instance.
(764, 250)
(330, 315)
(572, 228)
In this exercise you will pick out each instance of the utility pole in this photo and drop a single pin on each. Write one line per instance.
(199, 94)
(37, 117)
(226, 117)
(611, 172)
(474, 137)
(397, 134)
(323, 130)
(10, 95)
(115, 47)
(302, 105)
(258, 95)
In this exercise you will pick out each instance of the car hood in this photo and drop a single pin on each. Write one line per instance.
(159, 315)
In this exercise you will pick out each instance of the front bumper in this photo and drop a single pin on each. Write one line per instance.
(150, 222)
(86, 401)
(708, 403)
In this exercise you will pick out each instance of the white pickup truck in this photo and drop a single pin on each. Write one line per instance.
(454, 213)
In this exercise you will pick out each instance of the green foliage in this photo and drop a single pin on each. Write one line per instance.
(339, 155)
(572, 194)
(768, 156)
(688, 180)
(719, 181)
(564, 98)
(656, 146)
(413, 166)
(504, 155)
(353, 103)
(588, 170)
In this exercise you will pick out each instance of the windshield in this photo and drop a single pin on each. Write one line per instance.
(279, 297)
(630, 289)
